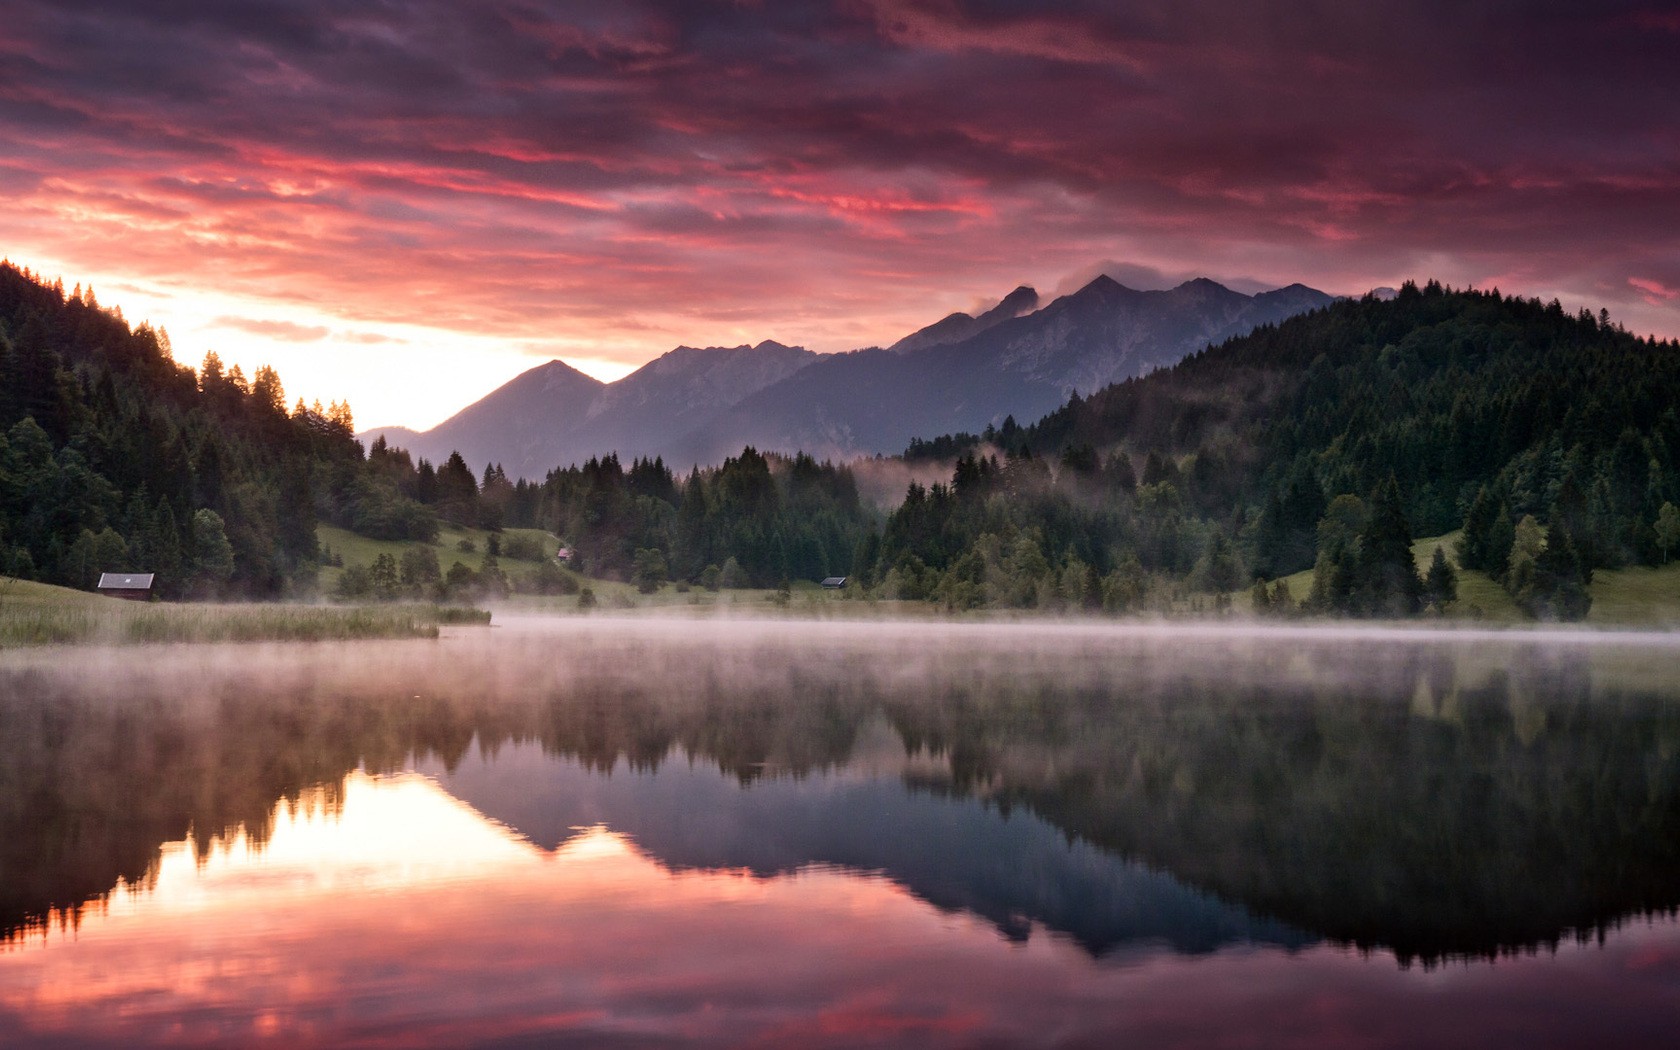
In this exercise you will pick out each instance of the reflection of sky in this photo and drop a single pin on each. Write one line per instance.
(404, 918)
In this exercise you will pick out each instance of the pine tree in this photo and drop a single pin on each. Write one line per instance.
(1667, 529)
(1440, 585)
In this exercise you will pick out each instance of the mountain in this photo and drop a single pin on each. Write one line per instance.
(648, 411)
(554, 415)
(521, 424)
(954, 328)
(877, 400)
(963, 372)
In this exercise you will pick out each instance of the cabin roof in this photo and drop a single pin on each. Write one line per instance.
(126, 581)
(835, 581)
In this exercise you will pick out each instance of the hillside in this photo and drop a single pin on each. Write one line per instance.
(113, 457)
(1332, 437)
(1448, 391)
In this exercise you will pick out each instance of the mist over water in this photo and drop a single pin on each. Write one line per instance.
(715, 831)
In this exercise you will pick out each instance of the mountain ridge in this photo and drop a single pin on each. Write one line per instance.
(1021, 357)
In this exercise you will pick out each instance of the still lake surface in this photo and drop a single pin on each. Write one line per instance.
(642, 832)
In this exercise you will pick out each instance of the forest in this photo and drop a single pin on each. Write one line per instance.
(1326, 442)
(115, 458)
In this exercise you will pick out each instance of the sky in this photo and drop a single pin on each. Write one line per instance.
(405, 203)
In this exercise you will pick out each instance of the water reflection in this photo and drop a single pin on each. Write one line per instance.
(1015, 872)
(629, 820)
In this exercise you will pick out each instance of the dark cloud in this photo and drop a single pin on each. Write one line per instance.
(832, 172)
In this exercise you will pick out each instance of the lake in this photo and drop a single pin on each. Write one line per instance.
(643, 832)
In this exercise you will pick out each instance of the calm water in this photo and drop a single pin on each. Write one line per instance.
(600, 832)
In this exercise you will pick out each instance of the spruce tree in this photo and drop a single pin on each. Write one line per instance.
(1386, 581)
(1440, 585)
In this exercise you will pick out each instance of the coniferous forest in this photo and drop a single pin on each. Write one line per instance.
(1327, 442)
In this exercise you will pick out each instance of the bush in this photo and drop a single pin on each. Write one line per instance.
(732, 575)
(460, 580)
(523, 548)
(552, 579)
(648, 571)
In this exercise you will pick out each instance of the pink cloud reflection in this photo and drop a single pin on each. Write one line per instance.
(408, 920)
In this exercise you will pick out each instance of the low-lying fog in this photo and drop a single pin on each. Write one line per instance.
(530, 654)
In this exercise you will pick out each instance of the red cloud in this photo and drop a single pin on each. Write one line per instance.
(831, 174)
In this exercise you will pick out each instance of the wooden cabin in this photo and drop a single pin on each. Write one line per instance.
(834, 583)
(135, 586)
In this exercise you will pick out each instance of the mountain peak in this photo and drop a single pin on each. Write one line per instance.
(1023, 300)
(1203, 285)
(1100, 283)
(955, 327)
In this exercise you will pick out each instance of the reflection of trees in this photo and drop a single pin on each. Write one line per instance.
(1402, 811)
(1437, 802)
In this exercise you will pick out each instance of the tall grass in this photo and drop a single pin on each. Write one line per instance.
(119, 623)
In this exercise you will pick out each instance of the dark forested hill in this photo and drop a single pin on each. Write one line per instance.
(115, 458)
(1447, 391)
(1549, 436)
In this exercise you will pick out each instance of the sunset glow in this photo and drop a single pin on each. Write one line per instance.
(406, 206)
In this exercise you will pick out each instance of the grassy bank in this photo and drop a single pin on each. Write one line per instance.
(38, 614)
(1621, 597)
(454, 544)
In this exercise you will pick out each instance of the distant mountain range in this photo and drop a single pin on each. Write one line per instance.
(963, 372)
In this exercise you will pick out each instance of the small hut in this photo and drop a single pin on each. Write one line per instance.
(834, 583)
(135, 586)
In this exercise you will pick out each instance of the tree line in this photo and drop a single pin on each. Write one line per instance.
(1326, 442)
(114, 458)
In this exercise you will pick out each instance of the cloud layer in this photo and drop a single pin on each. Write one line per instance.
(608, 180)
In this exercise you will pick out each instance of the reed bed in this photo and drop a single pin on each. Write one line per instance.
(116, 623)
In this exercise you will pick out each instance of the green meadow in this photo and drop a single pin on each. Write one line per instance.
(42, 614)
(454, 544)
(1621, 597)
